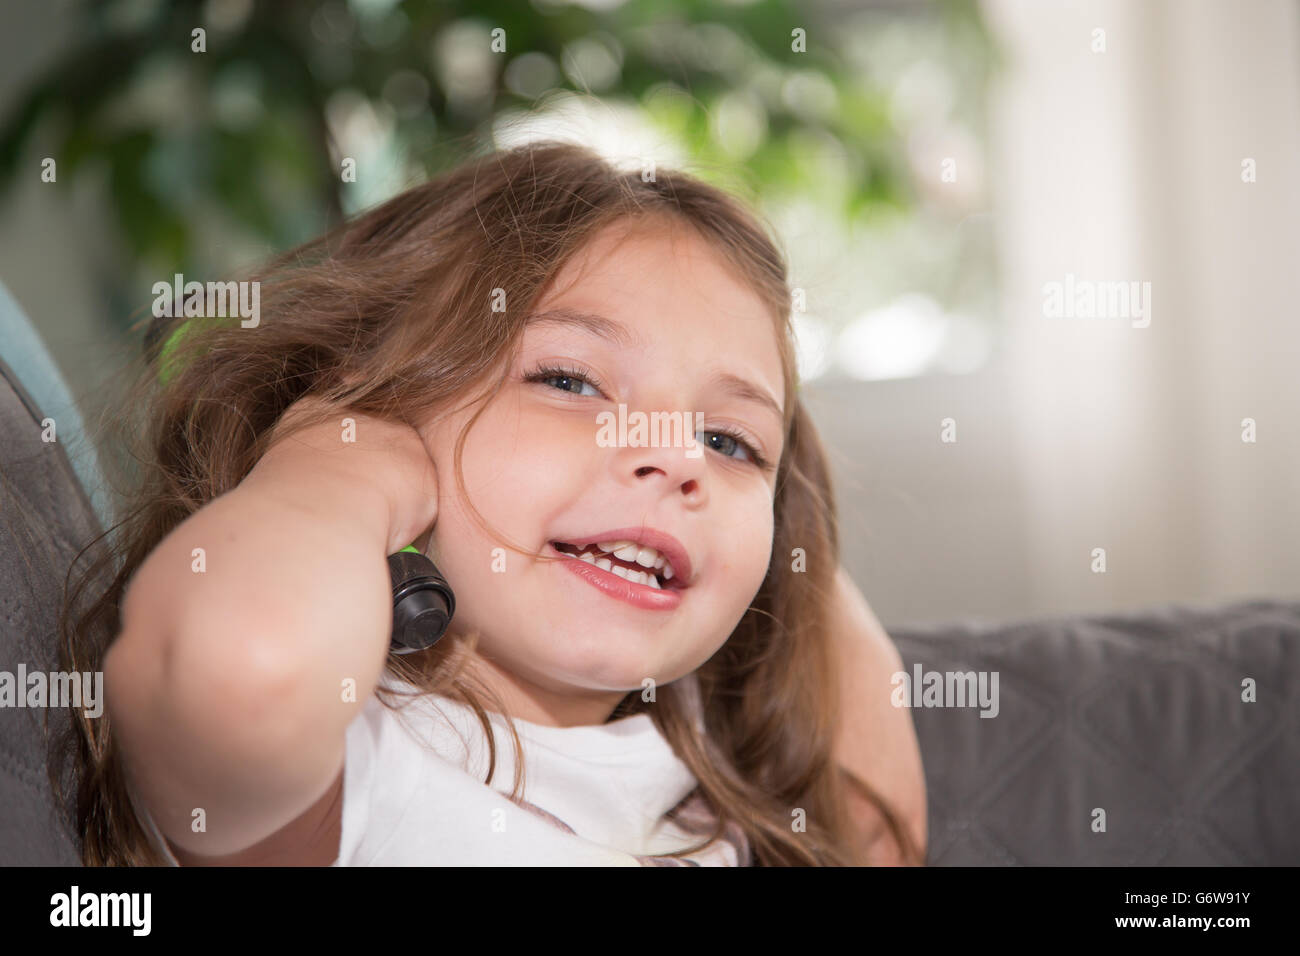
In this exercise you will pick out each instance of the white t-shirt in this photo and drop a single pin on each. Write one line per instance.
(600, 795)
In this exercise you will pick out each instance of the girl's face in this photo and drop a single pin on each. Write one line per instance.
(563, 647)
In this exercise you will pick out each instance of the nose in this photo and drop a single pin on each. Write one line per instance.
(678, 466)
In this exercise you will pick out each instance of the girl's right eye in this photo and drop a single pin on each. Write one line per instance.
(566, 376)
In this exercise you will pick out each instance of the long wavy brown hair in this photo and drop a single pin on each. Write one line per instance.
(397, 298)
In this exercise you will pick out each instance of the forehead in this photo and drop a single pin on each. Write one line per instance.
(665, 287)
(643, 252)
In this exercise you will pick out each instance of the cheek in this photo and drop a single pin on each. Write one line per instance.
(517, 469)
(745, 549)
(522, 466)
(760, 555)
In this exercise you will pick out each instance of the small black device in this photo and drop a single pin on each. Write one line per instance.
(423, 603)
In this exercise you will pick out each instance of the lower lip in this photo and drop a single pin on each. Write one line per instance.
(638, 595)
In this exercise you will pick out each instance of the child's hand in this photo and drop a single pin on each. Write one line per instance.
(366, 454)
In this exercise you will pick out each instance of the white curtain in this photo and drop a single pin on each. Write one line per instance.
(1127, 165)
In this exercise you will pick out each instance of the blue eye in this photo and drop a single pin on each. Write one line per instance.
(732, 438)
(567, 376)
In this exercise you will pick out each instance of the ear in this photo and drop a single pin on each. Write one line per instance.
(422, 542)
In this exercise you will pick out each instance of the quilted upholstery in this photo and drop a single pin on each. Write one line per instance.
(45, 519)
(1140, 714)
(22, 348)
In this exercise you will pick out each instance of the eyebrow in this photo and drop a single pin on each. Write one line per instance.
(621, 335)
(590, 322)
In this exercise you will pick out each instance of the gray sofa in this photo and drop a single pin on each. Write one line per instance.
(45, 519)
(1137, 715)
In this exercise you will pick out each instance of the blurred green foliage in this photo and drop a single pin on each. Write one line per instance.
(210, 156)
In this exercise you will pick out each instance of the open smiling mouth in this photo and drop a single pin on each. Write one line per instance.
(622, 561)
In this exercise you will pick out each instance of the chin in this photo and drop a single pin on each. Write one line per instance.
(609, 674)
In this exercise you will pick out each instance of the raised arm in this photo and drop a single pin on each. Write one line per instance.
(225, 687)
(876, 740)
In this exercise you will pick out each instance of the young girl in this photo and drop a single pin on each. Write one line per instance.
(639, 670)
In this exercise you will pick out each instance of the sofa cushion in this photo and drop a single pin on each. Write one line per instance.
(22, 349)
(1140, 715)
(45, 519)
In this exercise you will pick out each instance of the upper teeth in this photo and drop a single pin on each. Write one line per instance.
(630, 551)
